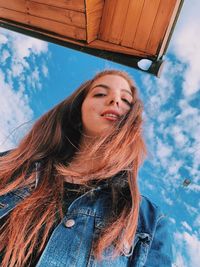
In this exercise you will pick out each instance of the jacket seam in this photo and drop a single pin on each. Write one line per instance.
(162, 216)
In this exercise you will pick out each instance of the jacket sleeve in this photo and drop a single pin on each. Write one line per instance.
(160, 252)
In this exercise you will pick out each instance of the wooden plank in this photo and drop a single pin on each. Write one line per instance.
(162, 48)
(13, 15)
(105, 26)
(160, 25)
(93, 5)
(17, 5)
(94, 11)
(131, 23)
(93, 17)
(145, 24)
(118, 21)
(59, 28)
(92, 31)
(35, 30)
(45, 24)
(65, 16)
(76, 5)
(99, 44)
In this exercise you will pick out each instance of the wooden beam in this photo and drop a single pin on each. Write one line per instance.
(94, 9)
(160, 25)
(117, 21)
(17, 5)
(105, 26)
(131, 23)
(65, 16)
(145, 24)
(163, 45)
(47, 25)
(76, 5)
(99, 44)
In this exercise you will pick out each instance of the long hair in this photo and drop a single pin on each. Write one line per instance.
(53, 141)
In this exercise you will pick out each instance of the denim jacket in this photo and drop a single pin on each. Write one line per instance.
(72, 240)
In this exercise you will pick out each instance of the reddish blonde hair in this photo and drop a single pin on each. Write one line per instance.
(54, 140)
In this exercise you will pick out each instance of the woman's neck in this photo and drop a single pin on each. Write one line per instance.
(80, 161)
(86, 142)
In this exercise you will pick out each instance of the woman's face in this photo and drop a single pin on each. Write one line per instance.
(108, 99)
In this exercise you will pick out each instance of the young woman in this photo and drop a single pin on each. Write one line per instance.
(69, 193)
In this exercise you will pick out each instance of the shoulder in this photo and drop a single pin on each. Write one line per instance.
(149, 215)
(9, 201)
(147, 204)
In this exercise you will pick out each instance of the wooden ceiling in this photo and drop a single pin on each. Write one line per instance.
(138, 28)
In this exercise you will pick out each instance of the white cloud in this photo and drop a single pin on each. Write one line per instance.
(178, 135)
(180, 261)
(4, 56)
(193, 247)
(159, 90)
(184, 152)
(185, 45)
(175, 166)
(23, 46)
(164, 151)
(148, 185)
(22, 74)
(23, 50)
(163, 116)
(172, 220)
(197, 221)
(14, 110)
(188, 122)
(190, 245)
(3, 39)
(171, 136)
(186, 225)
(166, 198)
(17, 69)
(34, 79)
(45, 70)
(195, 187)
(192, 210)
(187, 111)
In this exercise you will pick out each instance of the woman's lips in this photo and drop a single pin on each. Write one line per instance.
(110, 117)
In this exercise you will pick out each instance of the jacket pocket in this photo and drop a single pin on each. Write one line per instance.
(121, 260)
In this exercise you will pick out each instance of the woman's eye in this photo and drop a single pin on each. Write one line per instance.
(99, 94)
(126, 101)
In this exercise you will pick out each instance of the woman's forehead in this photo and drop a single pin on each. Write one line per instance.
(111, 81)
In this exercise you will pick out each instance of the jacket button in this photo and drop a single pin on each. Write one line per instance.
(70, 223)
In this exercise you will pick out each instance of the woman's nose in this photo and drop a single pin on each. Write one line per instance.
(114, 100)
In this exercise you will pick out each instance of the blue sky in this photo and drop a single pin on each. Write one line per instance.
(35, 75)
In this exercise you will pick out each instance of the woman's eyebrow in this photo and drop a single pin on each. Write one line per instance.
(108, 88)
